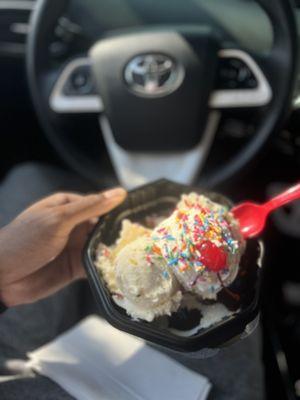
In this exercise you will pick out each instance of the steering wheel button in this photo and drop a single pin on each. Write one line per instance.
(80, 82)
(235, 74)
(80, 79)
(252, 83)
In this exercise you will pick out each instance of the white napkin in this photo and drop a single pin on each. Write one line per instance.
(95, 361)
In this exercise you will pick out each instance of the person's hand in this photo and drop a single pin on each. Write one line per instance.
(40, 251)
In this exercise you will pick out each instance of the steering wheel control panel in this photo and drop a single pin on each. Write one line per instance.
(74, 91)
(234, 74)
(240, 82)
(80, 82)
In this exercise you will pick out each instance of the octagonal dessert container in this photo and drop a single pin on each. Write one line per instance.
(194, 330)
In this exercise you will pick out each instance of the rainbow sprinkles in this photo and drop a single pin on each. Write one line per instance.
(200, 242)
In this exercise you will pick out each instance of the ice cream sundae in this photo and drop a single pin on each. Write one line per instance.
(196, 251)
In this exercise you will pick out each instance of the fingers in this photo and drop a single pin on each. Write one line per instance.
(92, 206)
(58, 199)
(42, 283)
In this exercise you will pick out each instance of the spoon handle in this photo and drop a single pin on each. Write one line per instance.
(286, 197)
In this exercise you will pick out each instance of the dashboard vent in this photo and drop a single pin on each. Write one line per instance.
(14, 23)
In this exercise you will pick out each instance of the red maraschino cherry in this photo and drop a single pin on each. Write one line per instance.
(212, 257)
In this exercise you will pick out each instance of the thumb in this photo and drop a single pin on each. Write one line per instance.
(91, 206)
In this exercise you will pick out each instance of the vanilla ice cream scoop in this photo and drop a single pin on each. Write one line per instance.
(202, 245)
(147, 287)
(106, 255)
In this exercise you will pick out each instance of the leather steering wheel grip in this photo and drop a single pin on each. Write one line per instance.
(279, 67)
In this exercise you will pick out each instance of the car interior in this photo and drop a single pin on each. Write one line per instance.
(73, 94)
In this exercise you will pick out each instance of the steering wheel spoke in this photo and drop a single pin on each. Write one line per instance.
(138, 168)
(75, 90)
(240, 82)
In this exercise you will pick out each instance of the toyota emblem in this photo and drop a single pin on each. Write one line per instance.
(153, 75)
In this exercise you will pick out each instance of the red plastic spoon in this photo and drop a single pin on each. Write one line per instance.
(252, 217)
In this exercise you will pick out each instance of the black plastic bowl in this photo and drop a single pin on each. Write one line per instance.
(160, 198)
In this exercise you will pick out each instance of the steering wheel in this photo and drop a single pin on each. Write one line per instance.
(158, 93)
